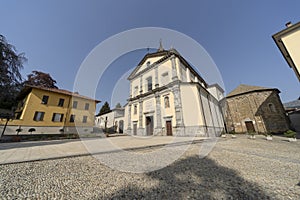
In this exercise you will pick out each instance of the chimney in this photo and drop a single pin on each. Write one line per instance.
(288, 24)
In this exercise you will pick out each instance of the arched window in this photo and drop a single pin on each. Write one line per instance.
(135, 109)
(272, 107)
(167, 102)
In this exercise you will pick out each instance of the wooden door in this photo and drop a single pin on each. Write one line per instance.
(149, 125)
(169, 128)
(250, 127)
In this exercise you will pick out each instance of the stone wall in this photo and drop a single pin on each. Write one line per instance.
(263, 108)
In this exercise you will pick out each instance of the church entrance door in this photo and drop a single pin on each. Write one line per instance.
(169, 128)
(134, 129)
(149, 125)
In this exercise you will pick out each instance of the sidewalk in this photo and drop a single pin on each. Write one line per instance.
(43, 150)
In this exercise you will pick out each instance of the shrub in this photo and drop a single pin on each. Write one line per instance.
(290, 134)
(31, 130)
(19, 130)
(268, 134)
(251, 133)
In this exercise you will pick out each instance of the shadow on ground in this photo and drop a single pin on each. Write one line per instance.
(193, 178)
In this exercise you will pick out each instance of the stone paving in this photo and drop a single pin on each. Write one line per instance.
(238, 168)
(41, 150)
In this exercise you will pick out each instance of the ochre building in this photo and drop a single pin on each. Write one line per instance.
(50, 110)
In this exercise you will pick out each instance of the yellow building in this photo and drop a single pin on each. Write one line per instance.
(288, 42)
(50, 110)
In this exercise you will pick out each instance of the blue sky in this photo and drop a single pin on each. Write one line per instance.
(56, 36)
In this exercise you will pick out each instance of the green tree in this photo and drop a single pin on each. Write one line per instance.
(10, 77)
(38, 78)
(118, 105)
(105, 108)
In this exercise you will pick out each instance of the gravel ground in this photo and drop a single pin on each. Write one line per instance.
(236, 169)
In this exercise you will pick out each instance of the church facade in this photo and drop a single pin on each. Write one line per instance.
(168, 97)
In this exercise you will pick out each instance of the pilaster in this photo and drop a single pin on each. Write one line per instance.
(188, 75)
(156, 77)
(141, 84)
(130, 91)
(174, 69)
(129, 120)
(140, 114)
(158, 115)
(178, 110)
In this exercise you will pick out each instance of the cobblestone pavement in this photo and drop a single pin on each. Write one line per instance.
(238, 168)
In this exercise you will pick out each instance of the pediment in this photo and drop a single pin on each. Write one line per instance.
(146, 62)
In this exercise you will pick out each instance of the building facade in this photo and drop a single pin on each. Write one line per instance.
(113, 121)
(50, 110)
(255, 109)
(168, 97)
(288, 42)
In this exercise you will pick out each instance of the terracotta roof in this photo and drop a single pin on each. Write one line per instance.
(242, 89)
(60, 91)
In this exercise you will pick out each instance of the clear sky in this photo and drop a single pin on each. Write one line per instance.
(56, 36)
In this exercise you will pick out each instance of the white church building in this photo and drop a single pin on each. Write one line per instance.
(168, 97)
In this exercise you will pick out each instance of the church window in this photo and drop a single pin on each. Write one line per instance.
(135, 109)
(272, 107)
(149, 83)
(167, 102)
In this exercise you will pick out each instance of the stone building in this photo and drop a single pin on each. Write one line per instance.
(168, 97)
(292, 109)
(255, 109)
